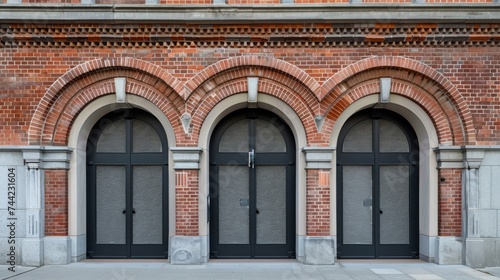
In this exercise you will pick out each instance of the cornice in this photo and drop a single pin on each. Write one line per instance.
(229, 14)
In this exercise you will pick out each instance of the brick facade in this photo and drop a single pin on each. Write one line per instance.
(50, 72)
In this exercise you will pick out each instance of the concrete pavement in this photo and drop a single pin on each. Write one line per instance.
(247, 270)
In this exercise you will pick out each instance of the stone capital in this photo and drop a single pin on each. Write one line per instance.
(318, 157)
(186, 157)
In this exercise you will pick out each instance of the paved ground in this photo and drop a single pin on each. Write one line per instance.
(246, 270)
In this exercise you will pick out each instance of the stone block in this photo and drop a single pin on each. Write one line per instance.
(57, 250)
(488, 223)
(485, 191)
(185, 250)
(78, 247)
(449, 250)
(319, 250)
(6, 254)
(32, 250)
(474, 252)
(495, 189)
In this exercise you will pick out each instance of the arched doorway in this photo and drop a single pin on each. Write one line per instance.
(377, 179)
(252, 187)
(127, 187)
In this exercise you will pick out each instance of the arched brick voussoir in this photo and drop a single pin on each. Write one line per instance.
(79, 101)
(250, 61)
(445, 127)
(81, 75)
(196, 99)
(333, 88)
(266, 86)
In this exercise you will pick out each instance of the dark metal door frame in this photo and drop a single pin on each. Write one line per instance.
(127, 159)
(376, 160)
(252, 250)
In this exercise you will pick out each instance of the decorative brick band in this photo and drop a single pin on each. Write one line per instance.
(235, 36)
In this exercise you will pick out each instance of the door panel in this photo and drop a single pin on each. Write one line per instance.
(357, 204)
(147, 209)
(271, 204)
(234, 225)
(252, 187)
(377, 188)
(127, 187)
(394, 204)
(110, 202)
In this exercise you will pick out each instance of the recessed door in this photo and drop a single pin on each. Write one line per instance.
(377, 168)
(252, 187)
(127, 187)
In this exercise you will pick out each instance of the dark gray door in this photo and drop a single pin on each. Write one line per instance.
(127, 187)
(377, 167)
(252, 187)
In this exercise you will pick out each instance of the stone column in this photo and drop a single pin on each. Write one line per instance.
(36, 249)
(32, 245)
(477, 221)
(319, 245)
(186, 245)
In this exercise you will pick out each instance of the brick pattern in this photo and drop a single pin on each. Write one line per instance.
(317, 35)
(186, 202)
(450, 202)
(50, 73)
(318, 203)
(56, 202)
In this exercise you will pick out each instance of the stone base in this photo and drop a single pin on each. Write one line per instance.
(32, 252)
(185, 250)
(482, 252)
(319, 250)
(57, 250)
(78, 247)
(449, 250)
(427, 247)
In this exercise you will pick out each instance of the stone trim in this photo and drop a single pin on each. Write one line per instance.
(186, 157)
(44, 157)
(318, 157)
(449, 157)
(44, 33)
(290, 13)
(468, 156)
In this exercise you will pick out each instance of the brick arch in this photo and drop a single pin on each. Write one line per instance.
(78, 102)
(97, 76)
(448, 131)
(255, 62)
(266, 86)
(417, 74)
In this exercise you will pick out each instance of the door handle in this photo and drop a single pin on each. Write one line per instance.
(257, 211)
(381, 212)
(251, 158)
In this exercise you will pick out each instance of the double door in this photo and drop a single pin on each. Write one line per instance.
(377, 172)
(252, 190)
(127, 187)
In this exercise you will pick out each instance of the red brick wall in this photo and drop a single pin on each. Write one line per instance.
(318, 202)
(186, 202)
(56, 202)
(450, 202)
